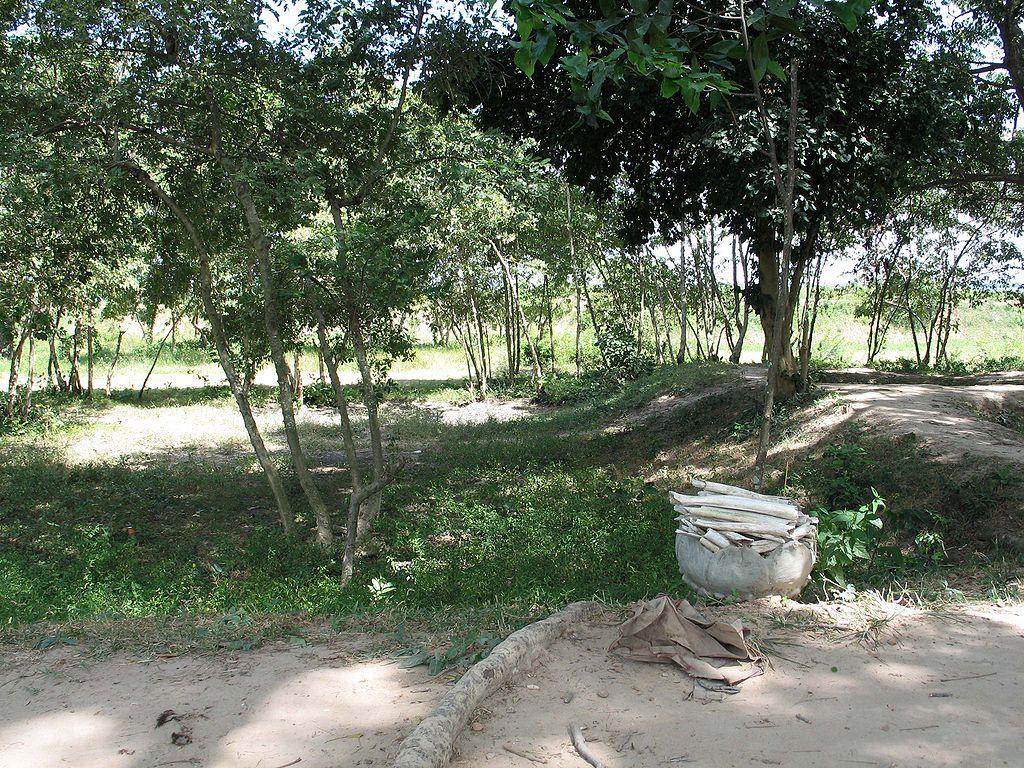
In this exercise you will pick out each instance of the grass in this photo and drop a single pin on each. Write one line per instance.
(992, 330)
(497, 523)
(522, 516)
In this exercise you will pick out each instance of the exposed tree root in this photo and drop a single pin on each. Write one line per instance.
(431, 744)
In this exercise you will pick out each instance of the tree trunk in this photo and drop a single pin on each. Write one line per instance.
(113, 362)
(156, 359)
(781, 279)
(220, 340)
(89, 360)
(272, 322)
(297, 376)
(12, 379)
(681, 355)
(26, 401)
(54, 365)
(74, 380)
(371, 507)
(537, 369)
(348, 438)
(774, 314)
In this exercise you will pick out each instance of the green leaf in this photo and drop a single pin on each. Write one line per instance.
(759, 55)
(669, 88)
(525, 61)
(776, 69)
(549, 48)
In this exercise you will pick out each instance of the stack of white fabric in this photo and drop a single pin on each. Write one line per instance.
(723, 516)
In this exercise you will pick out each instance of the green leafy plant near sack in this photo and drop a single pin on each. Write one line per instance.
(847, 537)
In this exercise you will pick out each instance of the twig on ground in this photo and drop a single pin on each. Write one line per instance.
(576, 736)
(533, 757)
(966, 677)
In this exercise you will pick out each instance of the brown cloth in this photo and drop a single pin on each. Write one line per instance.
(671, 631)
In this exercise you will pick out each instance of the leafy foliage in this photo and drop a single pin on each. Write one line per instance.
(846, 536)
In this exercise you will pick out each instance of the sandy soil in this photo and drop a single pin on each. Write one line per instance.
(827, 703)
(263, 709)
(935, 690)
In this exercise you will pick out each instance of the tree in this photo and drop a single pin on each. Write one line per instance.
(878, 103)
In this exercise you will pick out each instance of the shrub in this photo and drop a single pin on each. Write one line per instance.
(621, 356)
(847, 536)
(569, 390)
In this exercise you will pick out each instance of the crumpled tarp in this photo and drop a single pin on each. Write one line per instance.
(670, 631)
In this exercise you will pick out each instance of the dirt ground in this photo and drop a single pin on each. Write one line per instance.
(934, 690)
(268, 708)
(956, 422)
(898, 703)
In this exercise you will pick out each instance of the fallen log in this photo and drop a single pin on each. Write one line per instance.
(432, 742)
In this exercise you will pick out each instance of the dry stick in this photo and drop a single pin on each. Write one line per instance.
(524, 753)
(576, 736)
(160, 349)
(967, 677)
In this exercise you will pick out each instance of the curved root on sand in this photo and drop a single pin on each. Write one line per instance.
(431, 744)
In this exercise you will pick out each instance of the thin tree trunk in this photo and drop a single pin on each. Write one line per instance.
(371, 507)
(113, 362)
(74, 379)
(785, 189)
(223, 347)
(90, 363)
(297, 376)
(551, 321)
(12, 379)
(576, 277)
(537, 369)
(156, 359)
(683, 288)
(26, 402)
(272, 322)
(348, 438)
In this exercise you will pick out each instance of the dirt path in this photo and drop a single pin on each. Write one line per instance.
(935, 691)
(263, 709)
(955, 423)
(827, 703)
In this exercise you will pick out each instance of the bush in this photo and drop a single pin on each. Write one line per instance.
(953, 366)
(620, 354)
(847, 536)
(568, 390)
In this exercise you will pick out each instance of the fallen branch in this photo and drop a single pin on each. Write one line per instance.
(576, 735)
